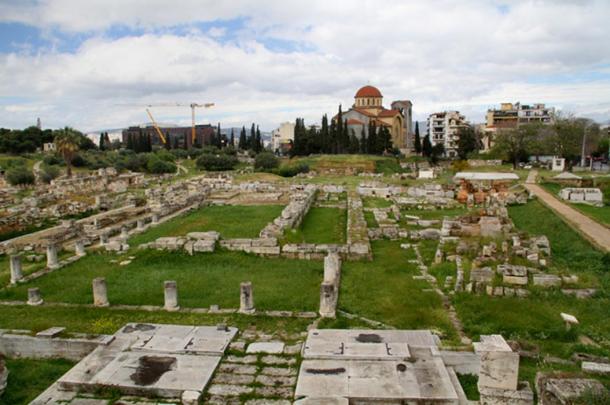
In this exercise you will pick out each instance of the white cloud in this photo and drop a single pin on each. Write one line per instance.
(440, 54)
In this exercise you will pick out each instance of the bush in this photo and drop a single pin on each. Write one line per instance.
(158, 166)
(212, 162)
(166, 155)
(136, 163)
(291, 171)
(79, 161)
(20, 176)
(49, 173)
(266, 161)
(459, 165)
(52, 160)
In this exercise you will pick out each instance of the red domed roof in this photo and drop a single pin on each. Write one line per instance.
(368, 91)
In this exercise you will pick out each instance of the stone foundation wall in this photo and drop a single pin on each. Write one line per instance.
(17, 345)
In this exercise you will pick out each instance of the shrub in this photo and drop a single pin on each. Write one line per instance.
(266, 161)
(52, 160)
(459, 165)
(158, 166)
(212, 162)
(79, 161)
(166, 155)
(49, 173)
(136, 163)
(291, 171)
(20, 176)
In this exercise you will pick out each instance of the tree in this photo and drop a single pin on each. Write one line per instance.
(243, 143)
(354, 144)
(566, 138)
(258, 141)
(232, 142)
(102, 141)
(20, 176)
(467, 142)
(514, 145)
(372, 138)
(266, 161)
(427, 146)
(66, 143)
(252, 138)
(417, 144)
(436, 152)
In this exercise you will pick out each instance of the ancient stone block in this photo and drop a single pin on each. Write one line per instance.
(499, 364)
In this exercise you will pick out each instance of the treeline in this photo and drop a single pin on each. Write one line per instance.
(28, 140)
(338, 138)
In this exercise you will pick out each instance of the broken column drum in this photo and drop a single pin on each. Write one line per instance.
(246, 298)
(16, 274)
(328, 300)
(103, 239)
(100, 293)
(140, 224)
(79, 248)
(34, 297)
(52, 262)
(171, 296)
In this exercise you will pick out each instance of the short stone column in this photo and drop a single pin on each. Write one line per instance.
(16, 274)
(328, 300)
(100, 292)
(155, 218)
(124, 232)
(103, 238)
(332, 268)
(79, 248)
(170, 289)
(246, 298)
(98, 202)
(52, 262)
(141, 224)
(34, 297)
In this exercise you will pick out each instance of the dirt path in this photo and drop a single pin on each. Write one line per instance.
(596, 233)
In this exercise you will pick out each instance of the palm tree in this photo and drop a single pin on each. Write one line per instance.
(66, 143)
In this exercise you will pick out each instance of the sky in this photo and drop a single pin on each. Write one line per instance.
(95, 64)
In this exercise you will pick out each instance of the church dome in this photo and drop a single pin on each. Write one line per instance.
(368, 91)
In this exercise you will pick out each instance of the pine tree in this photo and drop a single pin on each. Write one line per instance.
(243, 143)
(252, 137)
(417, 143)
(232, 143)
(426, 147)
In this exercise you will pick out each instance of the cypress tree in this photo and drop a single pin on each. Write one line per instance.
(324, 135)
(427, 146)
(332, 137)
(218, 137)
(252, 138)
(417, 143)
(102, 146)
(372, 139)
(337, 141)
(354, 144)
(232, 138)
(258, 141)
(364, 147)
(242, 139)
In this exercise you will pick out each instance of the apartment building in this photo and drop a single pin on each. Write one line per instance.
(444, 127)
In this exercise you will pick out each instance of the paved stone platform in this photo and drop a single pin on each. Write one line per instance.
(374, 365)
(148, 360)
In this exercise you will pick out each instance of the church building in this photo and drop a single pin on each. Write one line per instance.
(368, 106)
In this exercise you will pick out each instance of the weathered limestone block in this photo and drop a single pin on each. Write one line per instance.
(490, 226)
(547, 280)
(203, 245)
(246, 298)
(34, 297)
(264, 250)
(211, 235)
(482, 275)
(557, 390)
(16, 273)
(514, 280)
(100, 292)
(170, 292)
(332, 268)
(499, 364)
(523, 395)
(79, 248)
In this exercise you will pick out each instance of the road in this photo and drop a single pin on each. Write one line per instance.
(598, 234)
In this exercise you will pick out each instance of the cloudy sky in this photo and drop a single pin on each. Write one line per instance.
(94, 64)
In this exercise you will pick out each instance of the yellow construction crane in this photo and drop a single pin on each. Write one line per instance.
(161, 136)
(192, 105)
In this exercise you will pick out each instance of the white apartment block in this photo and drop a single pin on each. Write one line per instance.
(281, 137)
(444, 127)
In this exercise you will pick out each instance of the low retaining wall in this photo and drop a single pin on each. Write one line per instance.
(13, 345)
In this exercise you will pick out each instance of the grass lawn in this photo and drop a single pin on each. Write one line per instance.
(369, 217)
(320, 225)
(232, 221)
(29, 378)
(599, 214)
(203, 280)
(385, 291)
(109, 320)
(376, 202)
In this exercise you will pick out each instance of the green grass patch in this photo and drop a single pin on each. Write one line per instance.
(203, 280)
(29, 378)
(320, 225)
(109, 320)
(384, 290)
(427, 249)
(569, 250)
(371, 222)
(376, 202)
(232, 221)
(599, 214)
(469, 385)
(442, 270)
